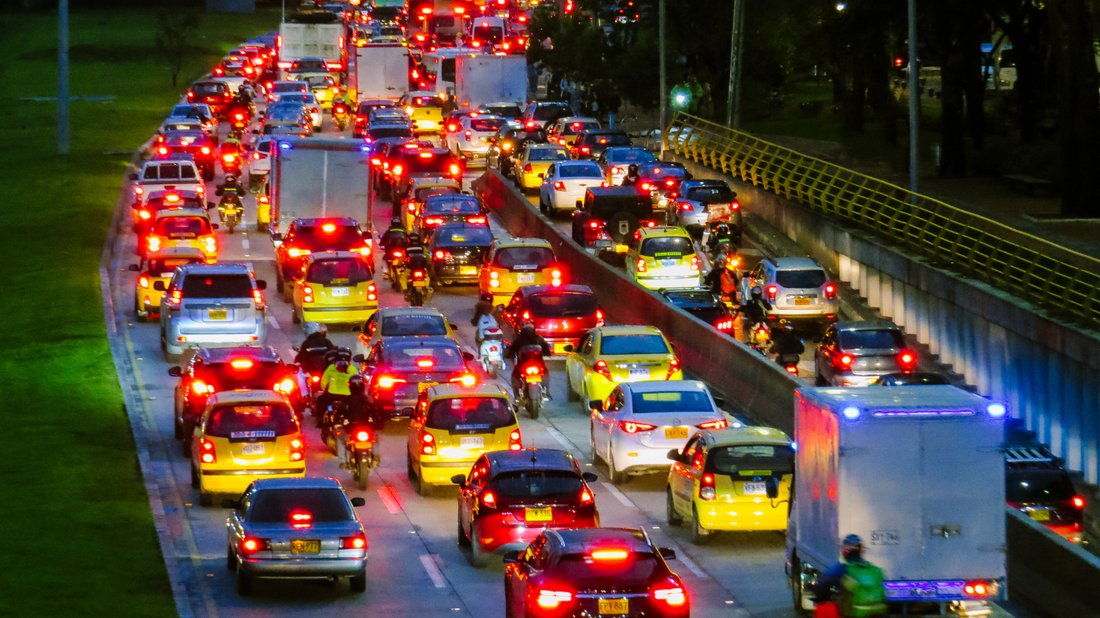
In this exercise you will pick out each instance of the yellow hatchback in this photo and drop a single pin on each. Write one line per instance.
(185, 227)
(244, 436)
(536, 159)
(737, 478)
(153, 279)
(453, 425)
(323, 86)
(662, 258)
(609, 355)
(517, 262)
(420, 189)
(334, 287)
(425, 109)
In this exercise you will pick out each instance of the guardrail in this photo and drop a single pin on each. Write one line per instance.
(1031, 268)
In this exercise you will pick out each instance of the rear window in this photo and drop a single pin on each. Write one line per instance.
(402, 325)
(251, 421)
(182, 227)
(264, 146)
(435, 164)
(537, 484)
(338, 272)
(633, 344)
(548, 154)
(758, 458)
(470, 413)
(633, 155)
(209, 88)
(186, 138)
(492, 35)
(426, 358)
(671, 401)
(466, 236)
(579, 171)
(258, 376)
(439, 22)
(279, 87)
(668, 247)
(710, 195)
(296, 97)
(367, 107)
(273, 506)
(850, 339)
(550, 112)
(573, 128)
(508, 111)
(197, 285)
(320, 81)
(636, 570)
(465, 207)
(812, 278)
(1045, 486)
(612, 139)
(303, 66)
(381, 132)
(426, 102)
(562, 304)
(316, 236)
(486, 124)
(167, 266)
(423, 193)
(661, 170)
(529, 258)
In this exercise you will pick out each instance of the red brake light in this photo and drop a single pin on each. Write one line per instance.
(907, 359)
(722, 424)
(602, 369)
(599, 317)
(249, 545)
(389, 382)
(772, 291)
(558, 186)
(830, 291)
(673, 367)
(425, 362)
(208, 453)
(632, 427)
(241, 364)
(259, 298)
(672, 595)
(551, 599)
(846, 362)
(610, 554)
(358, 541)
(640, 265)
(515, 442)
(1078, 502)
(427, 444)
(706, 487)
(977, 589)
(144, 282)
(586, 496)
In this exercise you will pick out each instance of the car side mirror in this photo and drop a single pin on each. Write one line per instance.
(133, 176)
(771, 486)
(214, 226)
(255, 131)
(674, 454)
(460, 480)
(359, 358)
(667, 553)
(210, 205)
(468, 356)
(230, 503)
(158, 286)
(358, 501)
(261, 284)
(542, 176)
(134, 268)
(568, 348)
(277, 237)
(596, 406)
(718, 401)
(296, 348)
(513, 556)
(591, 477)
(175, 372)
(452, 325)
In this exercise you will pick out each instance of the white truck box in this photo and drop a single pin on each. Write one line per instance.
(381, 71)
(313, 177)
(310, 41)
(490, 79)
(917, 472)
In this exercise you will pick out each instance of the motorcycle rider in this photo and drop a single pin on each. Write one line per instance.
(395, 237)
(631, 179)
(484, 307)
(854, 583)
(786, 346)
(757, 308)
(244, 95)
(527, 336)
(418, 260)
(334, 382)
(356, 410)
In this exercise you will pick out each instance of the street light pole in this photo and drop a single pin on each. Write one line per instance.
(63, 77)
(664, 78)
(733, 100)
(914, 96)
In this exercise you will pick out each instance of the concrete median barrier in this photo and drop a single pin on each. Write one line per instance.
(1044, 571)
(759, 385)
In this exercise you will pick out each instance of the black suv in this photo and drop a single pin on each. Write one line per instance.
(610, 215)
(592, 143)
(1038, 484)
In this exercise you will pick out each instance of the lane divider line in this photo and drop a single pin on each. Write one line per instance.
(433, 571)
(391, 499)
(273, 322)
(620, 496)
(244, 243)
(690, 564)
(560, 437)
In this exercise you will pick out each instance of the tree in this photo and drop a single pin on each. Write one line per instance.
(174, 39)
(1025, 23)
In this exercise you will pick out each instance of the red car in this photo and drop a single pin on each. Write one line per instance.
(213, 370)
(215, 94)
(195, 143)
(593, 572)
(304, 236)
(562, 314)
(145, 212)
(510, 497)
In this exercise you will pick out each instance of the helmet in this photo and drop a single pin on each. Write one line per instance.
(633, 169)
(396, 222)
(528, 328)
(486, 296)
(757, 294)
(356, 384)
(414, 239)
(316, 327)
(852, 547)
(230, 178)
(343, 354)
(342, 365)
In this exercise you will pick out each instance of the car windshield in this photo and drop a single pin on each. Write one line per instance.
(548, 154)
(283, 87)
(871, 339)
(1038, 486)
(508, 111)
(756, 458)
(793, 279)
(245, 421)
(316, 236)
(562, 304)
(464, 236)
(209, 88)
(366, 107)
(426, 102)
(257, 375)
(491, 125)
(630, 155)
(197, 285)
(671, 401)
(427, 358)
(319, 81)
(529, 258)
(635, 570)
(633, 345)
(402, 325)
(390, 131)
(274, 506)
(607, 139)
(182, 227)
(164, 267)
(339, 272)
(710, 195)
(590, 170)
(460, 413)
(667, 247)
(537, 485)
(550, 112)
(440, 207)
(423, 193)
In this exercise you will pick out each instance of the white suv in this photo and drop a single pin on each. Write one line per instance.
(798, 289)
(211, 306)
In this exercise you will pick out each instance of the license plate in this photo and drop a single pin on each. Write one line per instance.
(717, 212)
(638, 373)
(535, 379)
(337, 292)
(802, 301)
(471, 442)
(559, 348)
(668, 263)
(755, 489)
(305, 547)
(538, 514)
(676, 433)
(1039, 515)
(218, 314)
(614, 606)
(252, 449)
(420, 284)
(423, 386)
(528, 278)
(467, 270)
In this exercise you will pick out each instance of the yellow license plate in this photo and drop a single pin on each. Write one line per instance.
(305, 547)
(614, 606)
(218, 314)
(467, 270)
(423, 386)
(1040, 515)
(676, 433)
(420, 284)
(801, 301)
(538, 514)
(559, 348)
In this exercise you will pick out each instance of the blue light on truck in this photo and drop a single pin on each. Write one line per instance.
(889, 413)
(996, 410)
(850, 413)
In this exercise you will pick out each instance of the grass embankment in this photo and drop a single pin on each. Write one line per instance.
(79, 537)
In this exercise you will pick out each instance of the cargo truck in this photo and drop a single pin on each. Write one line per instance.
(381, 72)
(485, 79)
(315, 177)
(307, 35)
(918, 473)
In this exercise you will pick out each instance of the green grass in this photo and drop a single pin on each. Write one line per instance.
(79, 537)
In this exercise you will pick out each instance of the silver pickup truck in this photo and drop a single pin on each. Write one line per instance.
(171, 173)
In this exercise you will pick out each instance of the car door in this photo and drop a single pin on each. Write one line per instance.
(603, 421)
(587, 359)
(467, 496)
(682, 477)
(574, 365)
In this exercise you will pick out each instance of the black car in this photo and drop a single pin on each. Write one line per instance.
(592, 143)
(703, 305)
(1038, 484)
(542, 114)
(448, 209)
(456, 252)
(508, 144)
(609, 215)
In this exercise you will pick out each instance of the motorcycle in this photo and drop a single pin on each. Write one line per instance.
(359, 453)
(759, 336)
(532, 370)
(789, 362)
(490, 340)
(395, 262)
(231, 163)
(340, 114)
(720, 234)
(230, 209)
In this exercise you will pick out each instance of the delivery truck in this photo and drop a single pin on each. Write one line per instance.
(918, 473)
(312, 35)
(485, 79)
(381, 72)
(315, 177)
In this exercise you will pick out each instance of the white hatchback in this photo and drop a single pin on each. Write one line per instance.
(565, 184)
(259, 159)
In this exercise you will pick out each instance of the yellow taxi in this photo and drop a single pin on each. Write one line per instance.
(185, 227)
(323, 86)
(403, 322)
(419, 191)
(536, 159)
(334, 287)
(425, 109)
(516, 262)
(153, 279)
(453, 425)
(609, 355)
(662, 258)
(719, 481)
(244, 436)
(263, 210)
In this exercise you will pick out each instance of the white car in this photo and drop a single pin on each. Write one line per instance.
(309, 100)
(634, 429)
(566, 182)
(469, 141)
(234, 82)
(259, 160)
(286, 87)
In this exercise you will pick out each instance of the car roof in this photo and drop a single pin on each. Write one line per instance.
(539, 289)
(421, 341)
(572, 119)
(665, 386)
(710, 182)
(574, 162)
(221, 268)
(531, 459)
(298, 483)
(745, 434)
(695, 296)
(321, 221)
(584, 540)
(321, 256)
(245, 396)
(663, 231)
(867, 325)
(435, 181)
(795, 263)
(169, 252)
(521, 242)
(627, 330)
(617, 192)
(410, 311)
(446, 391)
(256, 353)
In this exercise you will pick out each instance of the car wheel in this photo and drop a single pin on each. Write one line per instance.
(363, 478)
(699, 535)
(674, 518)
(592, 446)
(194, 478)
(294, 317)
(185, 444)
(478, 558)
(205, 498)
(463, 538)
(570, 394)
(409, 466)
(244, 583)
(508, 613)
(261, 227)
(139, 315)
(279, 285)
(820, 381)
(617, 477)
(359, 581)
(542, 206)
(230, 558)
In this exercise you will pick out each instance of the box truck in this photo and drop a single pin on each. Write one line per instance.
(306, 35)
(918, 473)
(315, 177)
(381, 72)
(485, 79)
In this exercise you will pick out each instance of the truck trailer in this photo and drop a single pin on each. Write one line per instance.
(481, 79)
(381, 72)
(302, 37)
(315, 177)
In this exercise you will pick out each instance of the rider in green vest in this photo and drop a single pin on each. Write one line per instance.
(853, 583)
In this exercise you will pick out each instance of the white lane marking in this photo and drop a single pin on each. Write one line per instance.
(433, 571)
(391, 499)
(620, 496)
(557, 435)
(251, 268)
(690, 564)
(273, 323)
(244, 243)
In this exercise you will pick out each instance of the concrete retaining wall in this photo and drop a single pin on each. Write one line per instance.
(1045, 371)
(1044, 572)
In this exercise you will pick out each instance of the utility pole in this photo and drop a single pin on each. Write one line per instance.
(733, 100)
(664, 78)
(63, 77)
(914, 96)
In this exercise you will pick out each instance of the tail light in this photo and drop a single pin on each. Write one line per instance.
(599, 317)
(307, 294)
(706, 487)
(388, 381)
(724, 325)
(670, 183)
(558, 186)
(695, 263)
(527, 168)
(228, 158)
(466, 379)
(190, 95)
(418, 274)
(251, 545)
(845, 362)
(175, 298)
(602, 369)
(397, 254)
(397, 169)
(907, 359)
(586, 496)
(673, 367)
(532, 370)
(586, 150)
(358, 541)
(372, 292)
(433, 221)
(285, 387)
(670, 595)
(255, 156)
(489, 499)
(633, 427)
(263, 199)
(476, 220)
(978, 589)
(427, 444)
(443, 255)
(297, 450)
(206, 450)
(555, 278)
(154, 243)
(792, 369)
(143, 282)
(830, 291)
(201, 388)
(772, 291)
(722, 424)
(1078, 502)
(515, 442)
(455, 170)
(640, 265)
(551, 599)
(646, 186)
(258, 297)
(297, 252)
